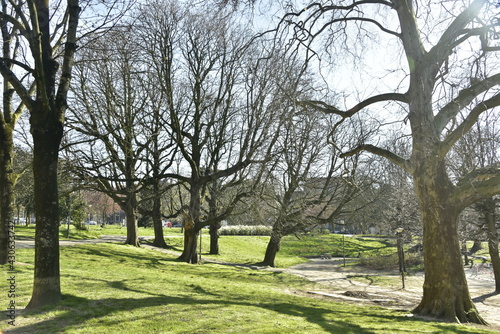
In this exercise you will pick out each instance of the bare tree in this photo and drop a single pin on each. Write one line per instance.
(447, 69)
(201, 68)
(313, 185)
(108, 144)
(52, 46)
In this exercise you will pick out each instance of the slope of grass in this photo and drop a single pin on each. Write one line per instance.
(110, 288)
(92, 232)
(338, 245)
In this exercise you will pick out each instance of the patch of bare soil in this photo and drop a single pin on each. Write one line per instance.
(355, 284)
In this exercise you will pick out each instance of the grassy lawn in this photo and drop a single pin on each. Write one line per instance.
(92, 232)
(112, 288)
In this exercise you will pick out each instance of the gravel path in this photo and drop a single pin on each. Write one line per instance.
(344, 283)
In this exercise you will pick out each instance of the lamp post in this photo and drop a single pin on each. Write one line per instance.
(401, 256)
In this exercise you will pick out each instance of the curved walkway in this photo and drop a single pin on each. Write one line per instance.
(352, 284)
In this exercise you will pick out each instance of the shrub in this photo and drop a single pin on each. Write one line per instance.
(246, 230)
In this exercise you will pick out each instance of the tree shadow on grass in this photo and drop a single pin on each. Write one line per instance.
(101, 308)
(79, 312)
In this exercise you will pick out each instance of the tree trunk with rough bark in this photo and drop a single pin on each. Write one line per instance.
(272, 249)
(132, 232)
(159, 240)
(445, 291)
(8, 178)
(214, 238)
(7, 182)
(190, 252)
(191, 217)
(47, 135)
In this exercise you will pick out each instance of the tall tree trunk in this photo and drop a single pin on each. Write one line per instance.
(190, 253)
(7, 182)
(446, 294)
(489, 207)
(159, 240)
(47, 136)
(214, 238)
(191, 217)
(130, 207)
(132, 231)
(272, 249)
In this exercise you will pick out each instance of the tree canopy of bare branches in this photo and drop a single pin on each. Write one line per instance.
(445, 56)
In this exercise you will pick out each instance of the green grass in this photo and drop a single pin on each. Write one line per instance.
(92, 231)
(337, 244)
(111, 288)
(247, 249)
(251, 249)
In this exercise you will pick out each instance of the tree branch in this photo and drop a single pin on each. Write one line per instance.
(478, 184)
(18, 86)
(464, 98)
(328, 109)
(469, 121)
(460, 22)
(396, 159)
(69, 51)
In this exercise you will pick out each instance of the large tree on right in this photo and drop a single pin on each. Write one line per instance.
(448, 61)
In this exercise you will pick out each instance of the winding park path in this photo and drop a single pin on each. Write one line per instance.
(352, 284)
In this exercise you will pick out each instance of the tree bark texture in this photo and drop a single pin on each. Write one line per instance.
(445, 291)
(190, 252)
(191, 217)
(272, 249)
(214, 238)
(159, 240)
(7, 182)
(132, 232)
(47, 136)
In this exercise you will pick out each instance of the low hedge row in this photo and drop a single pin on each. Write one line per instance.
(246, 230)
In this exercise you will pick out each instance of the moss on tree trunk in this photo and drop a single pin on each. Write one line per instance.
(7, 182)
